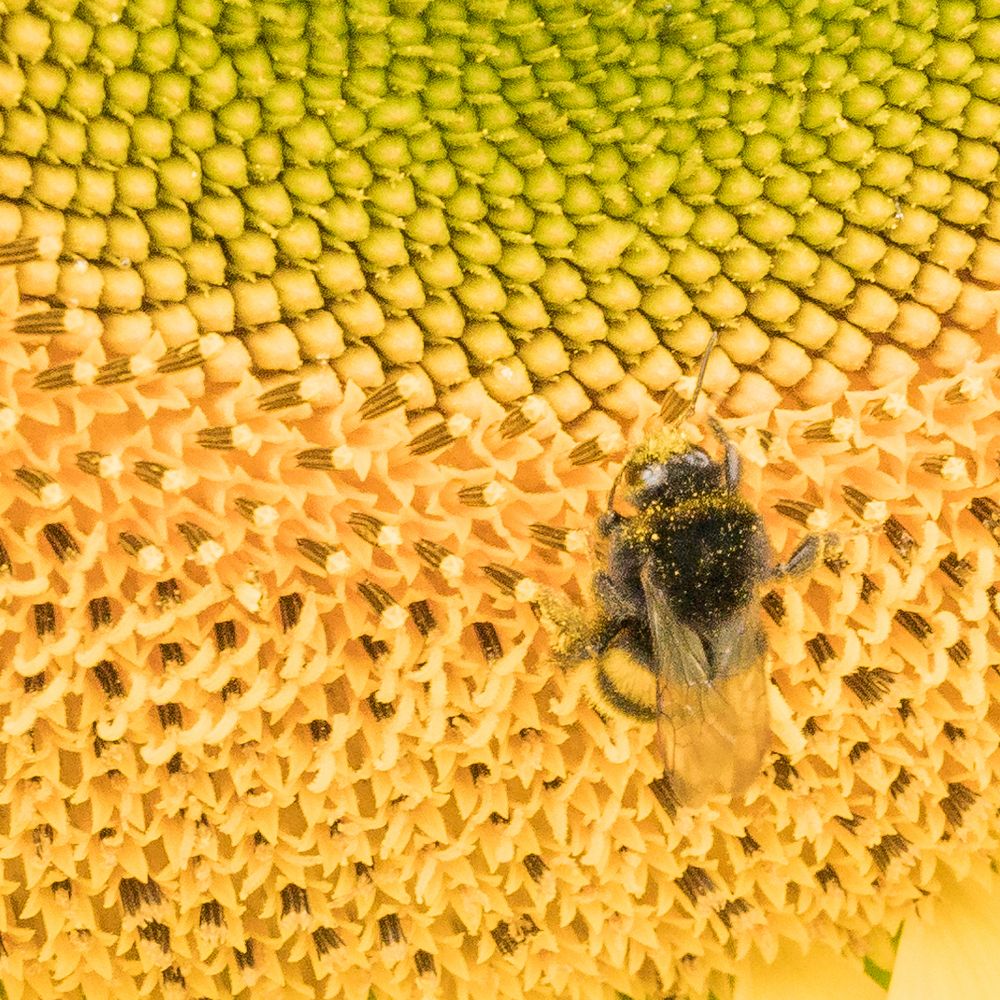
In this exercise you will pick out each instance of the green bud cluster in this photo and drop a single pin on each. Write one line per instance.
(530, 183)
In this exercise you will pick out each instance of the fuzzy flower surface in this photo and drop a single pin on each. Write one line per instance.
(324, 330)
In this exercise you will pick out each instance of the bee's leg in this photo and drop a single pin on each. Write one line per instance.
(618, 586)
(802, 559)
(614, 601)
(589, 640)
(607, 634)
(608, 522)
(731, 462)
(574, 637)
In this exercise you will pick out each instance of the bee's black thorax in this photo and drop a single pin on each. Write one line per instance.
(710, 553)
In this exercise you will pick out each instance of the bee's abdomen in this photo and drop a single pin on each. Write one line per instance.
(625, 685)
(710, 555)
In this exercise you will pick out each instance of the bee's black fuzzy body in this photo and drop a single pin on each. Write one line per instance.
(676, 639)
(704, 548)
(709, 556)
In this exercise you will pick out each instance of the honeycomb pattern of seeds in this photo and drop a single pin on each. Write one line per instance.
(530, 198)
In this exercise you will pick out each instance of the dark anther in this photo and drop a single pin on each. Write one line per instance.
(326, 940)
(732, 909)
(423, 617)
(820, 649)
(365, 526)
(869, 684)
(379, 600)
(134, 894)
(772, 603)
(535, 866)
(381, 709)
(694, 883)
(107, 676)
(294, 900)
(157, 933)
(62, 542)
(375, 648)
(960, 653)
(957, 570)
(244, 959)
(915, 624)
(868, 588)
(390, 930)
(900, 783)
(171, 653)
(850, 823)
(170, 714)
(381, 401)
(431, 553)
(856, 500)
(784, 772)
(45, 619)
(219, 438)
(549, 536)
(506, 579)
(827, 876)
(100, 612)
(225, 635)
(957, 802)
(900, 539)
(895, 845)
(987, 512)
(798, 511)
(320, 730)
(664, 793)
(503, 939)
(168, 592)
(438, 436)
(489, 641)
(289, 610)
(953, 733)
(233, 688)
(587, 452)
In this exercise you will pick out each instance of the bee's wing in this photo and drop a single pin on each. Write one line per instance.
(712, 718)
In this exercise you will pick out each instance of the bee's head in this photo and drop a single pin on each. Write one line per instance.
(669, 470)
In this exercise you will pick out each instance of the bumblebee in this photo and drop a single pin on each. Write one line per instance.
(677, 639)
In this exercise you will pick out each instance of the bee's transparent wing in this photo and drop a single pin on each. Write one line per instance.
(712, 719)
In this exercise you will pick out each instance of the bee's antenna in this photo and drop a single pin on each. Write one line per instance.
(680, 418)
(614, 489)
(713, 340)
